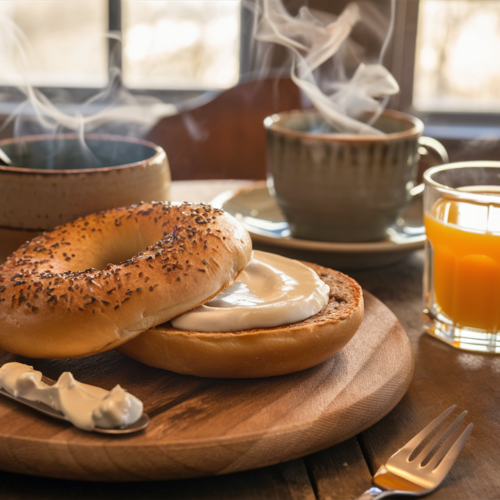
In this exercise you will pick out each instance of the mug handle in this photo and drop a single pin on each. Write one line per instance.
(433, 146)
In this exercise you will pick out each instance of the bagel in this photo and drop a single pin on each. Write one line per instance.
(89, 285)
(258, 352)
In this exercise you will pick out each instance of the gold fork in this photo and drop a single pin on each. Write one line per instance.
(405, 474)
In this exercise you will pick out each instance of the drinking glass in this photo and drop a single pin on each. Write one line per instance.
(462, 262)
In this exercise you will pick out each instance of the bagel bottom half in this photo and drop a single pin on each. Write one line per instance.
(260, 352)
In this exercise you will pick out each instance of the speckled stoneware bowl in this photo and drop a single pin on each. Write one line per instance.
(55, 179)
(341, 187)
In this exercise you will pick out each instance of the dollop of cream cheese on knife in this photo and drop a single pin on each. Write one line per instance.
(271, 291)
(85, 406)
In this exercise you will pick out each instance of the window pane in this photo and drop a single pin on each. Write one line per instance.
(64, 44)
(181, 44)
(456, 64)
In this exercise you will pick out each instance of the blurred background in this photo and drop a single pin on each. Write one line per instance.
(166, 44)
(190, 52)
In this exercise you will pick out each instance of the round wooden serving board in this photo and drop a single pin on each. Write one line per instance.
(203, 427)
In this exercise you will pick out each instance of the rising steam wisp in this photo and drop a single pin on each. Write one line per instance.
(318, 39)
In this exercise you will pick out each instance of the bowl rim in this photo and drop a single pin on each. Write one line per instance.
(272, 123)
(158, 153)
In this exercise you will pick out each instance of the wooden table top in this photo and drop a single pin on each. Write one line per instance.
(443, 376)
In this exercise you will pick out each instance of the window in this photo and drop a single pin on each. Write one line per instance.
(76, 57)
(458, 43)
(179, 44)
(172, 44)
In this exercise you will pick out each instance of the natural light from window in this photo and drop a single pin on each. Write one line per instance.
(62, 44)
(179, 44)
(169, 44)
(456, 61)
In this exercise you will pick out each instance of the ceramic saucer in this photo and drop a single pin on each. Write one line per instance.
(261, 216)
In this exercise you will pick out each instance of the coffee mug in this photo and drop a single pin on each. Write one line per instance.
(54, 179)
(343, 187)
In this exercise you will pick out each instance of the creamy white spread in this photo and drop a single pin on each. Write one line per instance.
(271, 291)
(85, 406)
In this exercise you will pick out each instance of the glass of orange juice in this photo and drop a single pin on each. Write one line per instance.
(462, 264)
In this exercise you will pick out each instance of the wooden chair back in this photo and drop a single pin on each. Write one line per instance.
(225, 138)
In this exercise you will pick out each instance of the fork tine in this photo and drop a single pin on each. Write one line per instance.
(414, 442)
(450, 455)
(450, 429)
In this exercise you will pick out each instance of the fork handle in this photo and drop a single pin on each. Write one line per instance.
(375, 493)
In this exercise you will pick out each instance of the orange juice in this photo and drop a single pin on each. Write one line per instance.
(465, 239)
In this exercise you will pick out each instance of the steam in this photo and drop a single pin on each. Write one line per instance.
(321, 51)
(316, 38)
(113, 110)
(119, 111)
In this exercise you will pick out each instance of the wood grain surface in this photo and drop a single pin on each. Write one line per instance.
(443, 376)
(203, 427)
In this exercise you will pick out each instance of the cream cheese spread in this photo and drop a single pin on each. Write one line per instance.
(85, 406)
(271, 291)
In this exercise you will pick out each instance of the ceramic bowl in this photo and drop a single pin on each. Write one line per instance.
(56, 179)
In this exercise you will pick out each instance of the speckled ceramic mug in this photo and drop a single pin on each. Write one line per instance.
(55, 179)
(340, 187)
